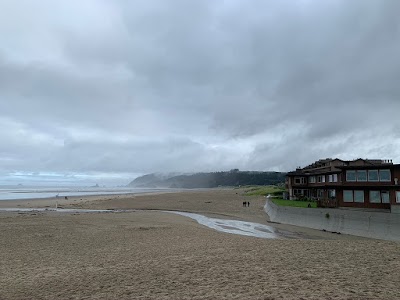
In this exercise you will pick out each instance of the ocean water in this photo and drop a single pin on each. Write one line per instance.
(18, 193)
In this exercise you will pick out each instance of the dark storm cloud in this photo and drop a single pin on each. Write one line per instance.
(144, 86)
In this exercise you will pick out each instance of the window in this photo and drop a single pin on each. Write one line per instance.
(347, 196)
(312, 179)
(384, 175)
(374, 197)
(350, 175)
(385, 197)
(373, 175)
(299, 180)
(397, 197)
(300, 192)
(320, 193)
(359, 196)
(361, 175)
(353, 196)
(332, 193)
(321, 178)
(334, 178)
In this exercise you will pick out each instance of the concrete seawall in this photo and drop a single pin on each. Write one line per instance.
(379, 225)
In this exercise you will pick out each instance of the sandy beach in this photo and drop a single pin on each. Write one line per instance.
(150, 254)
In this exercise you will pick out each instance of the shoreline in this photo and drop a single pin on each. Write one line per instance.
(26, 202)
(88, 193)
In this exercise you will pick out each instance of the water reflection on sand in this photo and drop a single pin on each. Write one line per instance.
(233, 226)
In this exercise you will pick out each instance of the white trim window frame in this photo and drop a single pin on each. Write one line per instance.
(351, 175)
(334, 177)
(386, 172)
(370, 172)
(363, 177)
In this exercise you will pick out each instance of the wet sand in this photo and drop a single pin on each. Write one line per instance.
(157, 255)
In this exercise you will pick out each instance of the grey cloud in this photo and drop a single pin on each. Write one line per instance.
(144, 86)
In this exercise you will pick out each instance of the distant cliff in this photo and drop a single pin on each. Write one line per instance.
(208, 180)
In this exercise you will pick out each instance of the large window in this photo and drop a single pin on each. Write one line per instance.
(312, 179)
(353, 196)
(364, 175)
(384, 175)
(397, 197)
(350, 175)
(379, 197)
(359, 196)
(374, 197)
(361, 175)
(347, 196)
(332, 194)
(373, 175)
(385, 197)
(321, 178)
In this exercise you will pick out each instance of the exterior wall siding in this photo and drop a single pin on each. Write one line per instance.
(320, 189)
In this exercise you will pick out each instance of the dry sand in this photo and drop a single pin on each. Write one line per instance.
(156, 255)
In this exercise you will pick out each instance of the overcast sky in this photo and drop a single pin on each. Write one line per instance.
(103, 91)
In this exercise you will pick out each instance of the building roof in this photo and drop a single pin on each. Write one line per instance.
(374, 166)
(330, 165)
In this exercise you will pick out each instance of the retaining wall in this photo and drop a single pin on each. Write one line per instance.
(379, 225)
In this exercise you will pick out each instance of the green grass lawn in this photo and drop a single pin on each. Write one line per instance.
(293, 203)
(261, 190)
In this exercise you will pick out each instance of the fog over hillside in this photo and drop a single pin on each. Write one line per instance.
(209, 180)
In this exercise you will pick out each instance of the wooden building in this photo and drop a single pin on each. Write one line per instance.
(361, 183)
